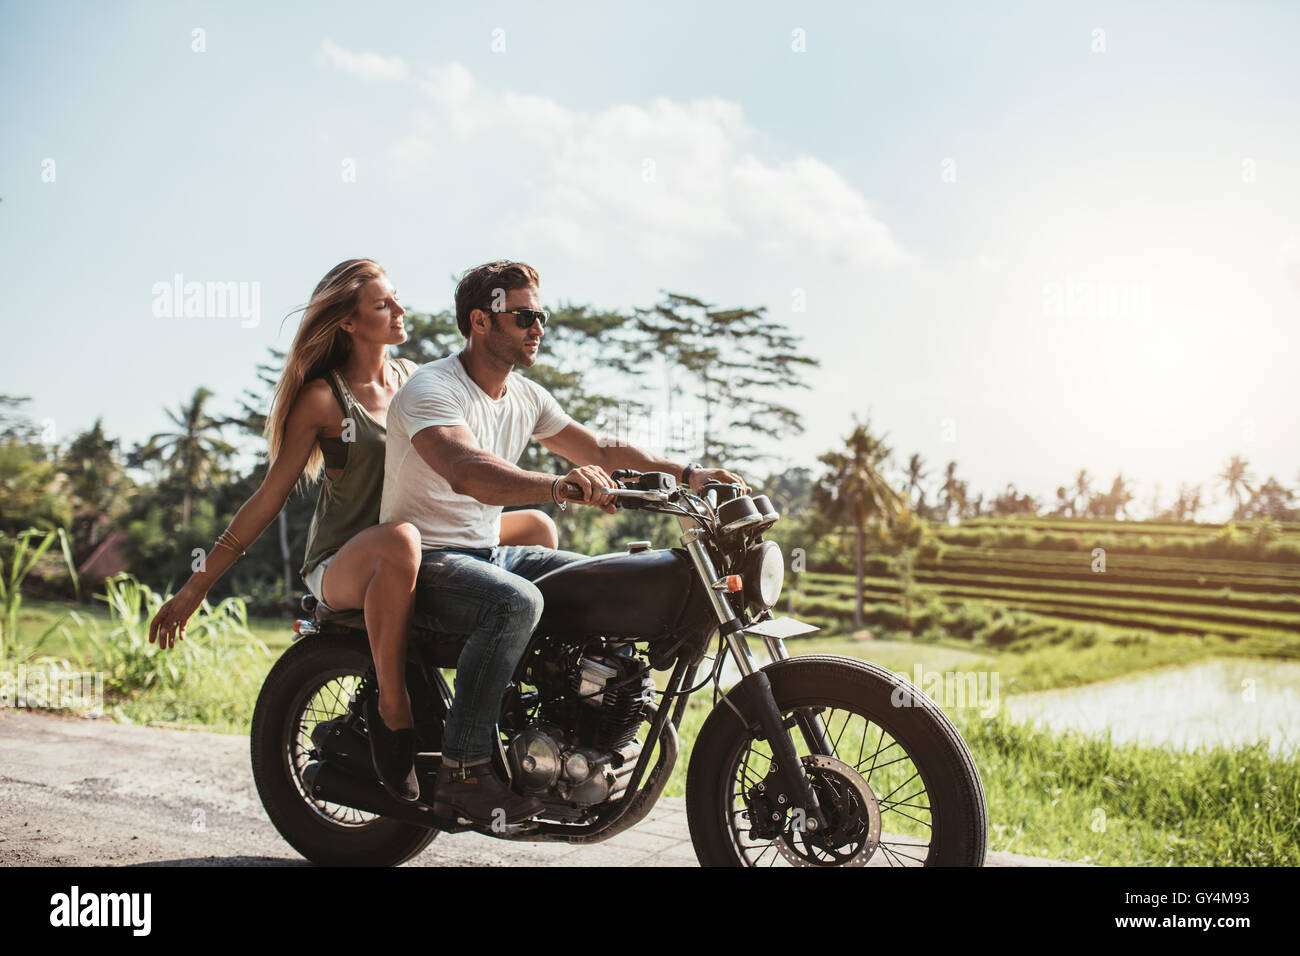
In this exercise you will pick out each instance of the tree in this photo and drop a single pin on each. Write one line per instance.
(953, 492)
(1114, 502)
(1082, 489)
(1236, 479)
(194, 455)
(1270, 500)
(33, 492)
(915, 475)
(790, 492)
(737, 363)
(1011, 502)
(853, 490)
(97, 481)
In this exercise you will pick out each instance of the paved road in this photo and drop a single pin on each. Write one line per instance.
(88, 792)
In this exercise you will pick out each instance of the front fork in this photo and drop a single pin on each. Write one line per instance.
(756, 682)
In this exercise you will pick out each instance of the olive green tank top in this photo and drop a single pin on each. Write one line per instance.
(349, 503)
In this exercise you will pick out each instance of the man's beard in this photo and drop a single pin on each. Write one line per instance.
(502, 348)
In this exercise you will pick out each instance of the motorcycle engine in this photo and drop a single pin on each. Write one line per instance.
(583, 747)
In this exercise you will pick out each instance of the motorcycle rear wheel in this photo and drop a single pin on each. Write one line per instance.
(311, 683)
(905, 787)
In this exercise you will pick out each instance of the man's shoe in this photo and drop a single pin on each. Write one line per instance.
(392, 754)
(478, 793)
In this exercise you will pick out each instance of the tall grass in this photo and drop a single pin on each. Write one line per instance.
(209, 679)
(23, 557)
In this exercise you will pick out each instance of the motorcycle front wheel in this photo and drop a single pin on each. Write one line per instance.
(895, 780)
(313, 682)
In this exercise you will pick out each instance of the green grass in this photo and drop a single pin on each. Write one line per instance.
(1090, 800)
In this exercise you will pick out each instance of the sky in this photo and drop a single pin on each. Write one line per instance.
(1029, 238)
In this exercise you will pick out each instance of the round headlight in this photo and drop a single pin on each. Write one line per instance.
(764, 575)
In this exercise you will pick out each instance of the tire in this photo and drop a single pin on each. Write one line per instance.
(957, 824)
(322, 832)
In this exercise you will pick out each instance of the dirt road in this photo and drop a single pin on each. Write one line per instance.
(86, 792)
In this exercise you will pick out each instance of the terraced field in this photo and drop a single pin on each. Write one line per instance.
(1195, 595)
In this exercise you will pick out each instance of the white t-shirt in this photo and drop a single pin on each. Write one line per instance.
(442, 393)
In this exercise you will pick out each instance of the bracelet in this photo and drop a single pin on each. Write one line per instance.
(225, 539)
(564, 505)
(686, 473)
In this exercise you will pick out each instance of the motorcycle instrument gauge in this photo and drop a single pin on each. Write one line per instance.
(738, 514)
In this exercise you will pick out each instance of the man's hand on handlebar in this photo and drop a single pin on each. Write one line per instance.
(592, 478)
(702, 475)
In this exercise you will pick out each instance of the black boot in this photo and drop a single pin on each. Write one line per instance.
(392, 753)
(478, 793)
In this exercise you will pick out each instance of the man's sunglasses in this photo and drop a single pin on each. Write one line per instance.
(524, 318)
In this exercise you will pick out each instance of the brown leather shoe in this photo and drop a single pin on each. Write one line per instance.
(478, 793)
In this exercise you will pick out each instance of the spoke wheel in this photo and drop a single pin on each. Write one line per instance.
(330, 700)
(896, 784)
(895, 827)
(313, 682)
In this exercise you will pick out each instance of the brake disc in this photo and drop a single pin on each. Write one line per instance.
(852, 814)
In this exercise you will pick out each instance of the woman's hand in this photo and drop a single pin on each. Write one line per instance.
(169, 623)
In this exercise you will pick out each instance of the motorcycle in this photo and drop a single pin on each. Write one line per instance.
(812, 760)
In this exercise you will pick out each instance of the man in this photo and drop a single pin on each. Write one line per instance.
(455, 432)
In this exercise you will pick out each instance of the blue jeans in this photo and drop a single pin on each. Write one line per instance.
(489, 594)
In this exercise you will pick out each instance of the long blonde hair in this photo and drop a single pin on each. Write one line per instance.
(319, 346)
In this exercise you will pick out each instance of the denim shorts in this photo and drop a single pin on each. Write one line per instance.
(315, 581)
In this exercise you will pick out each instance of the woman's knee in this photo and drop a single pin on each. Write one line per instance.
(529, 527)
(399, 545)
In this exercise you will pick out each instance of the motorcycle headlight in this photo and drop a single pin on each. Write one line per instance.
(764, 574)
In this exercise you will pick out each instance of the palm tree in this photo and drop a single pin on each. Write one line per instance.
(915, 474)
(194, 452)
(951, 491)
(1119, 497)
(1194, 502)
(854, 489)
(1236, 479)
(1082, 487)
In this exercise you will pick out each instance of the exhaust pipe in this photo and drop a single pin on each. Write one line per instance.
(328, 782)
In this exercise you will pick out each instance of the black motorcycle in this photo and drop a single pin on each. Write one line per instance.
(809, 761)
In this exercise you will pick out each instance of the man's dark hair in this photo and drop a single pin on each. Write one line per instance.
(478, 286)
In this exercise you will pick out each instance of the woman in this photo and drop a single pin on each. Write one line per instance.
(328, 416)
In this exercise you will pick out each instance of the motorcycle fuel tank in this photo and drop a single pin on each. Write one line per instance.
(639, 595)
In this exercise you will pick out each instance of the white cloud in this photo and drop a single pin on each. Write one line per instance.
(371, 66)
(676, 178)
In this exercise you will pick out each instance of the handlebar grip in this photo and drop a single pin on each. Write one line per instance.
(571, 491)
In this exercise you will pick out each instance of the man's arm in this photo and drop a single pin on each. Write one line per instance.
(453, 452)
(582, 446)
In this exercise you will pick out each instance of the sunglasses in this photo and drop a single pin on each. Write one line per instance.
(524, 318)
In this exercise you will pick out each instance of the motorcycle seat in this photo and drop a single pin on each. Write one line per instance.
(443, 648)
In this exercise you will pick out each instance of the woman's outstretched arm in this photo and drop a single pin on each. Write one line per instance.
(311, 412)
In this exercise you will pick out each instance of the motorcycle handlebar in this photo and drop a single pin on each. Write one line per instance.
(571, 491)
